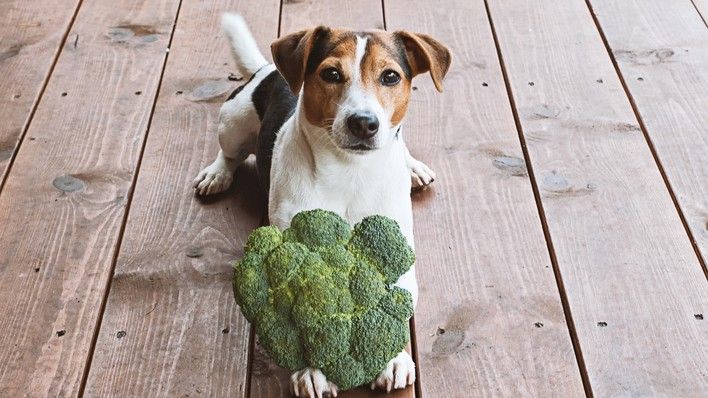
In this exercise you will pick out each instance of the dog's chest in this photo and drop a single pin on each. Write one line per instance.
(355, 193)
(353, 190)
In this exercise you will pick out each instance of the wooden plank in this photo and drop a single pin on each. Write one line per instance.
(702, 8)
(355, 14)
(658, 60)
(490, 320)
(633, 281)
(31, 33)
(267, 379)
(66, 195)
(171, 326)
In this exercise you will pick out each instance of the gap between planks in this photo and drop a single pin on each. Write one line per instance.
(698, 10)
(541, 214)
(129, 202)
(38, 98)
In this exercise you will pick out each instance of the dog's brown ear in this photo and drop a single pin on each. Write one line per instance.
(426, 54)
(290, 54)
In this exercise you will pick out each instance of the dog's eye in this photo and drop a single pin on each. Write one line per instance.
(331, 75)
(390, 78)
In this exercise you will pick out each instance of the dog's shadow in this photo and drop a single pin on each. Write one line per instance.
(245, 193)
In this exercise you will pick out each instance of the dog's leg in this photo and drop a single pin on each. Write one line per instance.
(399, 373)
(238, 124)
(311, 383)
(421, 174)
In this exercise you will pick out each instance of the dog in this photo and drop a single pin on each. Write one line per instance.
(324, 122)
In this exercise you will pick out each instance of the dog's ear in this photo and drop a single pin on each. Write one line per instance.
(291, 52)
(426, 54)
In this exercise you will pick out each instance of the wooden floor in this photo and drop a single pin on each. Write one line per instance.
(561, 252)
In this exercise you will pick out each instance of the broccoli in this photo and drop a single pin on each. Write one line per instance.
(321, 294)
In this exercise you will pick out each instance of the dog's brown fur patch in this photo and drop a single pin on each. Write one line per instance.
(378, 59)
(321, 99)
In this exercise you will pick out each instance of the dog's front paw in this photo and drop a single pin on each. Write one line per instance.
(399, 373)
(213, 179)
(311, 383)
(421, 174)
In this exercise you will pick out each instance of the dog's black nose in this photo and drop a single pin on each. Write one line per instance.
(363, 125)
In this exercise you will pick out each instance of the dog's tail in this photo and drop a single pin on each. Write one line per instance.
(243, 46)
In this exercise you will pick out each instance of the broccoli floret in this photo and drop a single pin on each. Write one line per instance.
(394, 303)
(345, 368)
(367, 285)
(378, 240)
(250, 285)
(263, 240)
(322, 296)
(316, 228)
(377, 337)
(280, 339)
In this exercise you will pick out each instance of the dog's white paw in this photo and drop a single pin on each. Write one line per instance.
(311, 383)
(399, 373)
(213, 179)
(421, 174)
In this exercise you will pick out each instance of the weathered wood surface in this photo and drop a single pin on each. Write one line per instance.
(666, 72)
(702, 8)
(64, 202)
(489, 321)
(267, 379)
(171, 326)
(354, 14)
(31, 33)
(633, 280)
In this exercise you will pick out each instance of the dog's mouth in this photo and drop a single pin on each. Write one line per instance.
(359, 148)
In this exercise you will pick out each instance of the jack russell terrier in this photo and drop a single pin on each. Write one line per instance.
(324, 122)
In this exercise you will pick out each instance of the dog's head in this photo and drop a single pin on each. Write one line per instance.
(356, 85)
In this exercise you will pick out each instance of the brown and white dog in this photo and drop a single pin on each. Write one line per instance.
(325, 125)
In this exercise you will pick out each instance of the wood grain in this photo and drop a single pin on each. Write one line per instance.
(657, 60)
(354, 14)
(31, 33)
(633, 281)
(171, 326)
(702, 8)
(490, 320)
(267, 379)
(66, 195)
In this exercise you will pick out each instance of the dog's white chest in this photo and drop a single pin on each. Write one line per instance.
(354, 187)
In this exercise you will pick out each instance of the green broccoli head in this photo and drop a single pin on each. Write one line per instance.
(322, 296)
